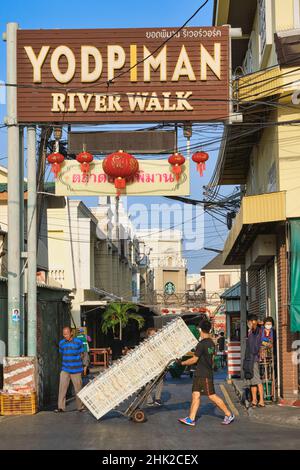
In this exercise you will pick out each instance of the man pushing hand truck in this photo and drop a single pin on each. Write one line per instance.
(203, 377)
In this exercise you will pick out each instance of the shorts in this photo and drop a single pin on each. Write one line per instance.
(204, 386)
(256, 380)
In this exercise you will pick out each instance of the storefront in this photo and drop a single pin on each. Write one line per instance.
(232, 298)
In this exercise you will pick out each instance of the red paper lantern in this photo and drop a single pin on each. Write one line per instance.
(121, 166)
(200, 158)
(55, 159)
(176, 160)
(85, 158)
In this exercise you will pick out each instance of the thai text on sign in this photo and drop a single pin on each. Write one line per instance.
(153, 179)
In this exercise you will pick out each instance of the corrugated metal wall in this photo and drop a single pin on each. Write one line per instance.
(53, 315)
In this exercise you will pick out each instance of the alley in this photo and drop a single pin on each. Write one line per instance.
(74, 430)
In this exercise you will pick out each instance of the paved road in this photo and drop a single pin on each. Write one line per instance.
(74, 430)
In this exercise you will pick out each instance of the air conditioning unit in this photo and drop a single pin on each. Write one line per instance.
(261, 251)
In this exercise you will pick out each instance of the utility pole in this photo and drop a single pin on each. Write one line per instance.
(14, 251)
(32, 242)
(45, 136)
(22, 244)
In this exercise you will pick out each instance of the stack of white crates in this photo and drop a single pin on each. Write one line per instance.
(137, 368)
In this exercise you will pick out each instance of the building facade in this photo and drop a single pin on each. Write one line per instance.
(261, 153)
(94, 253)
(164, 251)
(216, 278)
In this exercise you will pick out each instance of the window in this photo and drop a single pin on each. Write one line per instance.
(224, 281)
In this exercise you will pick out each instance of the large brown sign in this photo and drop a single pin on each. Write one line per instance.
(91, 76)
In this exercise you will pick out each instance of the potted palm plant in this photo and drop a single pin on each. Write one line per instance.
(116, 318)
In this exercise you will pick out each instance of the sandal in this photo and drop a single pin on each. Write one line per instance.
(261, 406)
(254, 405)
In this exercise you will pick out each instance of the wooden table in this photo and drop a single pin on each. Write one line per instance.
(100, 356)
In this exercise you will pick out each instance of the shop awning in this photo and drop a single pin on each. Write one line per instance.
(256, 216)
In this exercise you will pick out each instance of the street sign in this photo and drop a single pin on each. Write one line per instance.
(153, 179)
(123, 75)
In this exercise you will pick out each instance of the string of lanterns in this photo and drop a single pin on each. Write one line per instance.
(122, 166)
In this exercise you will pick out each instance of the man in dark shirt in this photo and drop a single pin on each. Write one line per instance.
(203, 378)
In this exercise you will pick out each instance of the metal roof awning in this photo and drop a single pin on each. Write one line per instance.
(258, 215)
(239, 138)
(233, 293)
(233, 160)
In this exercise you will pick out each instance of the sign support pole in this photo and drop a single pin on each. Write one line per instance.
(22, 245)
(32, 241)
(14, 252)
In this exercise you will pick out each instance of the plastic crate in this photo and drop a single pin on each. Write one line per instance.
(12, 404)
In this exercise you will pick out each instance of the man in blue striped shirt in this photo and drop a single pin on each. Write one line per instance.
(71, 350)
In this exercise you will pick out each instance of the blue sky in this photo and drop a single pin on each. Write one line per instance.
(34, 14)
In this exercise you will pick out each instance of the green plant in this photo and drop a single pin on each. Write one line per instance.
(117, 315)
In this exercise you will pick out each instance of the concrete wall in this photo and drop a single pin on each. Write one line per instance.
(264, 162)
(289, 161)
(284, 14)
(275, 161)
